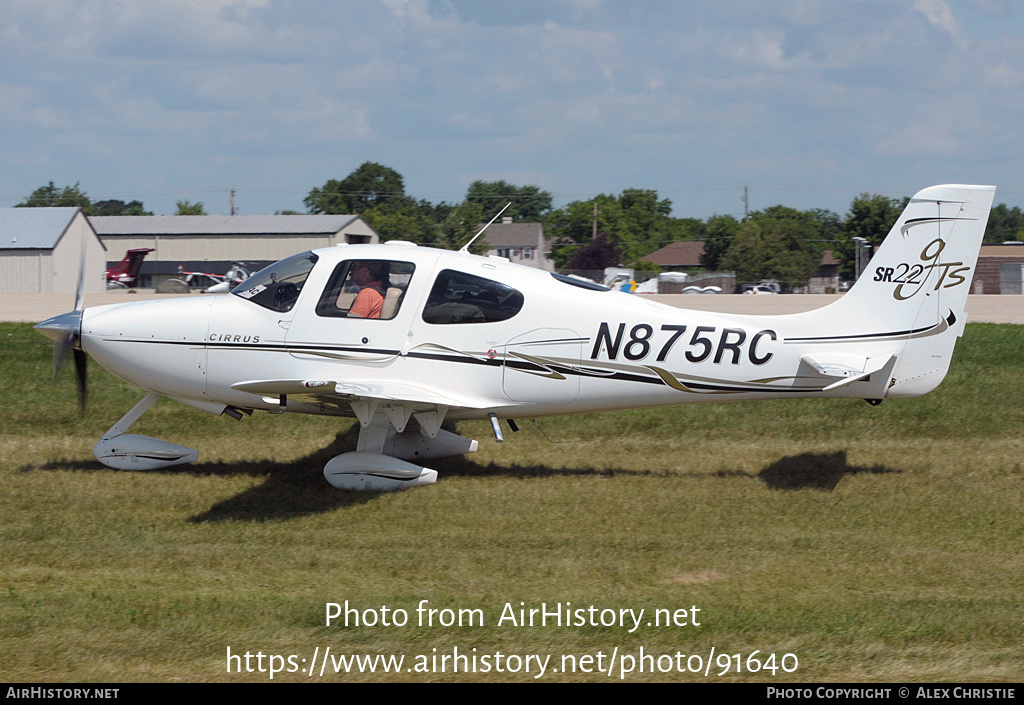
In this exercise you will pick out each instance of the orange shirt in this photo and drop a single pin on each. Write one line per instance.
(368, 303)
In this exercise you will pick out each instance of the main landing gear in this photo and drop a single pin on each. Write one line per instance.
(386, 443)
(389, 438)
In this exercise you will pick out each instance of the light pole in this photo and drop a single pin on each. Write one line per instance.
(858, 253)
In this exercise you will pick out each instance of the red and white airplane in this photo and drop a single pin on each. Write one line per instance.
(460, 336)
(125, 274)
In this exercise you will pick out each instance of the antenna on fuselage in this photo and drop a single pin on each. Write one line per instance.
(465, 248)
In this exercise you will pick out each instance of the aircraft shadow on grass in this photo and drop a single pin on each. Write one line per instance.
(816, 471)
(297, 488)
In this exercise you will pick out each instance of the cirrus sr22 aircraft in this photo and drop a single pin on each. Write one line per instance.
(461, 336)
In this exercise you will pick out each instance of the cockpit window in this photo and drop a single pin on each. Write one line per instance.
(277, 287)
(458, 297)
(366, 288)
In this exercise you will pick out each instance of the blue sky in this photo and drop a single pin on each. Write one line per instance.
(809, 102)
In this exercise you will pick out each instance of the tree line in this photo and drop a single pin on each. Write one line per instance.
(53, 196)
(778, 242)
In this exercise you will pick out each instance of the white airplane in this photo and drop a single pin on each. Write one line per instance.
(460, 336)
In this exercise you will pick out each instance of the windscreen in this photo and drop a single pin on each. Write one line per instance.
(278, 286)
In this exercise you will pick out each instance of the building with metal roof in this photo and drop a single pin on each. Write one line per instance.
(210, 243)
(41, 252)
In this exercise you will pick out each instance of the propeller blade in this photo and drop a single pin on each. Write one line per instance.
(61, 347)
(80, 290)
(65, 331)
(80, 374)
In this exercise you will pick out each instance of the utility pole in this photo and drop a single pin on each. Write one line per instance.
(593, 234)
(234, 211)
(746, 204)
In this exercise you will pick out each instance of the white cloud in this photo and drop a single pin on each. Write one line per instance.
(939, 14)
(597, 94)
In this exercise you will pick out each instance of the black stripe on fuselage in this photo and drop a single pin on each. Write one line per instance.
(950, 320)
(515, 364)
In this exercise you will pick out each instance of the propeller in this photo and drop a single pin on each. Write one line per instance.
(65, 330)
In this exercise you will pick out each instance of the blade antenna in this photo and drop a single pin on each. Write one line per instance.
(465, 248)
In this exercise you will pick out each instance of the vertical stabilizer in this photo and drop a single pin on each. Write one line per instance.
(915, 287)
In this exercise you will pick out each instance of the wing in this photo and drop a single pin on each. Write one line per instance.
(398, 400)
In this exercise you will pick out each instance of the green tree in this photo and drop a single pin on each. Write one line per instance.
(645, 224)
(113, 207)
(50, 196)
(719, 232)
(377, 193)
(748, 253)
(461, 224)
(801, 231)
(402, 225)
(871, 217)
(572, 226)
(371, 186)
(828, 224)
(186, 207)
(637, 220)
(774, 244)
(436, 213)
(529, 203)
(682, 229)
(643, 265)
(1004, 224)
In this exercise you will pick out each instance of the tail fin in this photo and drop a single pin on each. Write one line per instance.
(910, 300)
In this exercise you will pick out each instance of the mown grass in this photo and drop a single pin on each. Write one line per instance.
(875, 544)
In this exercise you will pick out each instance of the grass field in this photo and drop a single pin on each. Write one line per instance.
(871, 543)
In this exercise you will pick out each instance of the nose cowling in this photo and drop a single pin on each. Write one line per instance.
(65, 331)
(159, 345)
(65, 326)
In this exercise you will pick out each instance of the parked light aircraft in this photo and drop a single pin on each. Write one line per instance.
(125, 274)
(460, 336)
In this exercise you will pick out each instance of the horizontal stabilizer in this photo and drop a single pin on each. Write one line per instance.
(847, 369)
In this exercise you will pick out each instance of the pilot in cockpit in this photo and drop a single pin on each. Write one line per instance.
(371, 278)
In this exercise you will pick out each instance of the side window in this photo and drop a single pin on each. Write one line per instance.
(458, 297)
(277, 287)
(366, 288)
